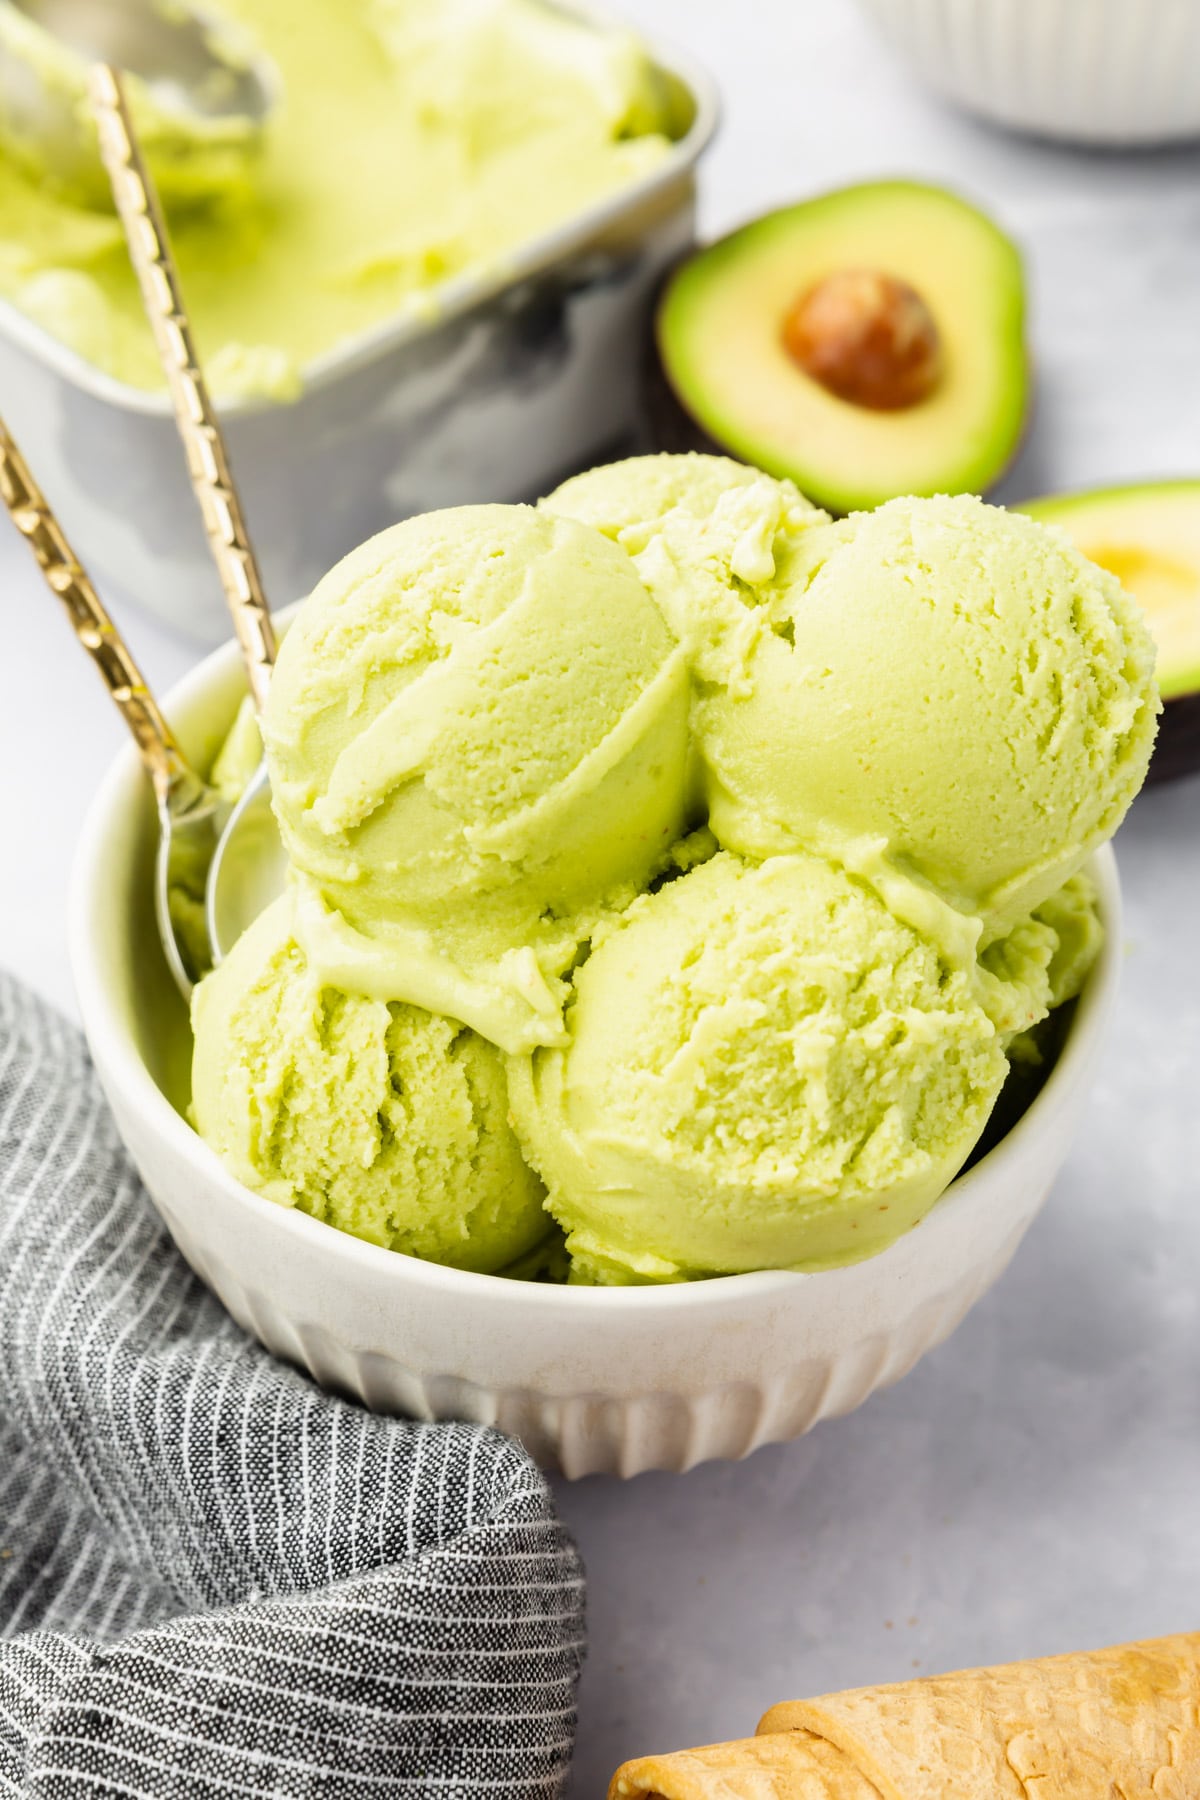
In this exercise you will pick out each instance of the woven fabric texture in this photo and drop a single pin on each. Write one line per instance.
(216, 1580)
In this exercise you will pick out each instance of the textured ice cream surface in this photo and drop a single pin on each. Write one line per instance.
(938, 688)
(1062, 941)
(477, 730)
(1073, 914)
(383, 1120)
(628, 500)
(1043, 961)
(727, 520)
(769, 1043)
(764, 1069)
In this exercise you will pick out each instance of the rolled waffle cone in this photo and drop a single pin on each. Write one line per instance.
(1119, 1724)
(791, 1765)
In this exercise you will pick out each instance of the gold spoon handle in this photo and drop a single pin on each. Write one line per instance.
(30, 513)
(208, 463)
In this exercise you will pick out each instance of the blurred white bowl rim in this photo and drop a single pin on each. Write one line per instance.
(1087, 71)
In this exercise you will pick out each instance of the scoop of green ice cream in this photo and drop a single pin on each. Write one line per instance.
(384, 1120)
(477, 729)
(628, 500)
(1073, 915)
(1063, 938)
(938, 688)
(765, 1069)
(931, 690)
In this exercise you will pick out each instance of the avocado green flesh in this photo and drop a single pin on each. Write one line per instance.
(721, 345)
(1149, 537)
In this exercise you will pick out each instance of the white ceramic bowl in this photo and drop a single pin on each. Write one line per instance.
(1089, 71)
(615, 1380)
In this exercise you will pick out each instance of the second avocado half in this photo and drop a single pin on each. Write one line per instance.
(1148, 536)
(866, 343)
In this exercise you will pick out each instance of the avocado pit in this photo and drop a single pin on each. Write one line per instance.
(865, 343)
(867, 338)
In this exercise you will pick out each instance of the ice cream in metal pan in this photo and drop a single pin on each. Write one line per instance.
(203, 93)
(408, 145)
(427, 288)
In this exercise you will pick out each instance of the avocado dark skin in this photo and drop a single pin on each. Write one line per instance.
(1024, 1083)
(1177, 751)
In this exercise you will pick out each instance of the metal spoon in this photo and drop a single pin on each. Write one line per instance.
(248, 864)
(190, 813)
(248, 868)
(208, 93)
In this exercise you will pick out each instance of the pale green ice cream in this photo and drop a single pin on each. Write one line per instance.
(384, 1120)
(477, 732)
(1060, 942)
(1074, 917)
(726, 518)
(1049, 955)
(769, 1043)
(938, 689)
(764, 1069)
(629, 500)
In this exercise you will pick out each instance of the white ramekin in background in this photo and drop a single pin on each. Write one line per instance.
(1089, 71)
(616, 1380)
(515, 376)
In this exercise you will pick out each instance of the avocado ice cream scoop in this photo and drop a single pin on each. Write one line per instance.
(934, 688)
(477, 730)
(384, 1120)
(765, 1069)
(629, 500)
(769, 1043)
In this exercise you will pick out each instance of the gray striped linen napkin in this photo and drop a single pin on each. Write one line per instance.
(216, 1580)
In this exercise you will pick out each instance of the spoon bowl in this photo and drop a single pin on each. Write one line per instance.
(190, 817)
(191, 814)
(248, 867)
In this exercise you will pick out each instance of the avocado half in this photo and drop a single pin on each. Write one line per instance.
(867, 343)
(1149, 536)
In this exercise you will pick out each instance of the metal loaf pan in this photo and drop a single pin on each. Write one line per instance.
(517, 376)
